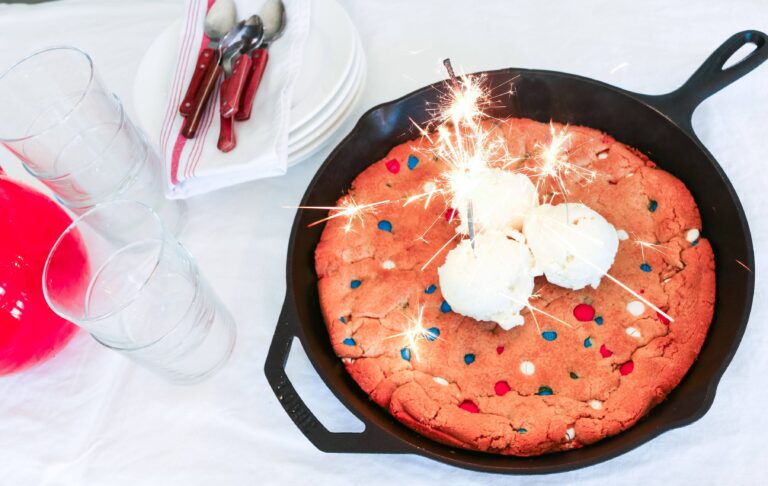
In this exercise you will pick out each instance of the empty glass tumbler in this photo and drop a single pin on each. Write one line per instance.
(117, 273)
(75, 136)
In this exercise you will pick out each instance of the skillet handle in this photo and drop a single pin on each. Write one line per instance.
(711, 77)
(369, 440)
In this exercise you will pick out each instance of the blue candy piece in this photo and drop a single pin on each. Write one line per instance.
(349, 342)
(432, 334)
(549, 335)
(522, 430)
(445, 307)
(588, 342)
(431, 289)
(695, 242)
(573, 375)
(599, 320)
(544, 391)
(343, 320)
(385, 225)
(413, 161)
(405, 353)
(645, 267)
(355, 284)
(653, 205)
(469, 358)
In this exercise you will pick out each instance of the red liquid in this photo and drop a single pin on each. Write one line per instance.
(30, 224)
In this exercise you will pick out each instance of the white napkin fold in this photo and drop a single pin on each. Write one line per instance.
(196, 166)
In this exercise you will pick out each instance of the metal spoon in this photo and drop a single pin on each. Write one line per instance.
(248, 32)
(220, 19)
(274, 17)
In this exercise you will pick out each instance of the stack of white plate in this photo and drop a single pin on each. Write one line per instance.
(332, 77)
(330, 83)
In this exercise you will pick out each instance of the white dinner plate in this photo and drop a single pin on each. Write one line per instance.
(322, 135)
(330, 110)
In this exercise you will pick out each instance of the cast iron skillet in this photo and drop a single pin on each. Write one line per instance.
(659, 126)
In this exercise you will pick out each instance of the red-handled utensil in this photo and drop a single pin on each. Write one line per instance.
(207, 58)
(227, 139)
(259, 58)
(230, 97)
(273, 16)
(200, 101)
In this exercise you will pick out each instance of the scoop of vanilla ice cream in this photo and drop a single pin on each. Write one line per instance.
(572, 244)
(491, 283)
(500, 201)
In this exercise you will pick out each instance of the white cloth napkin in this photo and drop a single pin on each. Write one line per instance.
(196, 166)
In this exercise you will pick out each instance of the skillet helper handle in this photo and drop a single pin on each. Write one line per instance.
(230, 97)
(205, 61)
(207, 85)
(711, 77)
(259, 58)
(369, 440)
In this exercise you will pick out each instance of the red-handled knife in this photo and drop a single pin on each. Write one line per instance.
(230, 97)
(205, 60)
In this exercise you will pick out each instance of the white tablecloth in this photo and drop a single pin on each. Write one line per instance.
(89, 417)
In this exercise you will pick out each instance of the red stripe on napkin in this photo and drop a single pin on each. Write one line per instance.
(178, 146)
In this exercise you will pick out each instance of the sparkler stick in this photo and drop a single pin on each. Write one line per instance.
(471, 225)
(470, 212)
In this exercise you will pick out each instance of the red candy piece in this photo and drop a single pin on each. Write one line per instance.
(663, 319)
(626, 368)
(499, 349)
(501, 388)
(584, 312)
(393, 166)
(469, 406)
(605, 352)
(449, 214)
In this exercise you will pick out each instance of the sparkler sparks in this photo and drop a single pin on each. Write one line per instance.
(552, 162)
(648, 245)
(415, 331)
(349, 209)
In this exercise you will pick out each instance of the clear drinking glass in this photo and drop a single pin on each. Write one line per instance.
(74, 135)
(117, 273)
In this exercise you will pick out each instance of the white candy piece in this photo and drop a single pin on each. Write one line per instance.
(527, 368)
(636, 308)
(573, 245)
(596, 404)
(440, 381)
(491, 283)
(633, 332)
(692, 235)
(570, 433)
(388, 265)
(500, 201)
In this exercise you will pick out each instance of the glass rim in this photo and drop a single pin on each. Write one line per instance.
(73, 227)
(86, 90)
